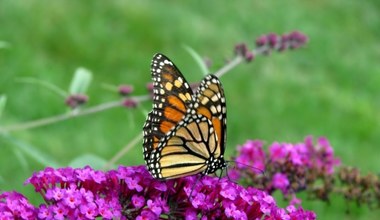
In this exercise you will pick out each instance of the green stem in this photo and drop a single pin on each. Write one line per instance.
(65, 116)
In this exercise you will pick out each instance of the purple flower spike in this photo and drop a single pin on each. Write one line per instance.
(132, 193)
(251, 155)
(14, 205)
(288, 167)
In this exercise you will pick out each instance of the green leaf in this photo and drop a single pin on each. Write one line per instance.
(3, 101)
(81, 81)
(201, 63)
(94, 161)
(32, 151)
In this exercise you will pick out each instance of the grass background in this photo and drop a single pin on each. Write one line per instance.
(329, 88)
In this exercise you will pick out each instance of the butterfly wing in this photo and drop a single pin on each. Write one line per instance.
(197, 143)
(184, 151)
(211, 102)
(171, 98)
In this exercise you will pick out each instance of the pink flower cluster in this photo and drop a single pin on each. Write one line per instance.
(14, 205)
(75, 193)
(319, 156)
(131, 193)
(286, 167)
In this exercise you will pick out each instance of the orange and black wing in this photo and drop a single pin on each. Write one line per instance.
(171, 97)
(197, 143)
(211, 102)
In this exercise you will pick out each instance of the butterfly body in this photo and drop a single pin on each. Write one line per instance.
(185, 133)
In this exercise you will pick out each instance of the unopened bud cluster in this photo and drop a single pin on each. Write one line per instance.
(74, 101)
(269, 42)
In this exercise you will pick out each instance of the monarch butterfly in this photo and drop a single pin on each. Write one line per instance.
(185, 133)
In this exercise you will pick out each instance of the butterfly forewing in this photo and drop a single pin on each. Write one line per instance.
(211, 102)
(171, 97)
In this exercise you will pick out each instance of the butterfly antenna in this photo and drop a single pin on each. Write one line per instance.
(228, 176)
(252, 167)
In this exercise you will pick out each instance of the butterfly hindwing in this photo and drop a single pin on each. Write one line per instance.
(184, 150)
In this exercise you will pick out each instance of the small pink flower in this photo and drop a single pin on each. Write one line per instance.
(280, 181)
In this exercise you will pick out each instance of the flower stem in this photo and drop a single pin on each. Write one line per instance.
(69, 115)
(237, 60)
(123, 151)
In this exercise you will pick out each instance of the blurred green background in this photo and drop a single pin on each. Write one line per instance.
(328, 88)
